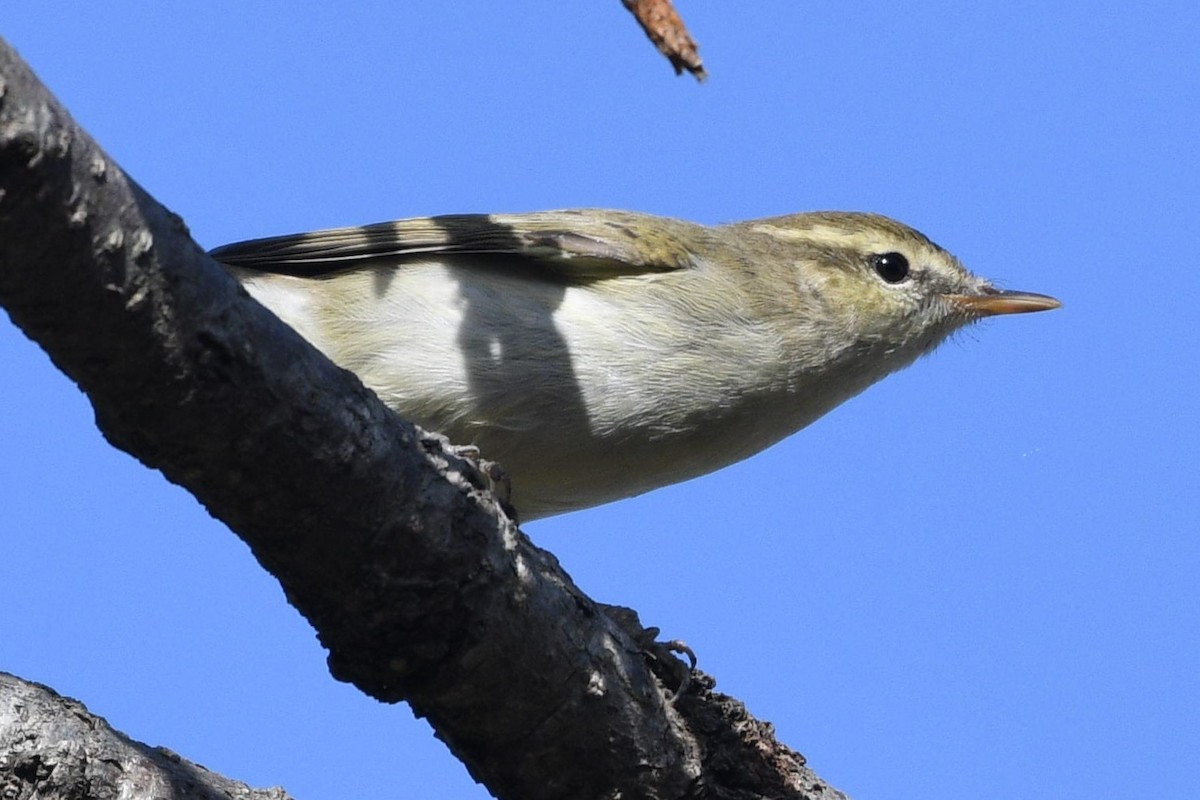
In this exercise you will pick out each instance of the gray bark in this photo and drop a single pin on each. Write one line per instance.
(53, 748)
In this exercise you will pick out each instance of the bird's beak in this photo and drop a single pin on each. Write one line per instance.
(990, 302)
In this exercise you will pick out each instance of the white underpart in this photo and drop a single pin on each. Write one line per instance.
(580, 402)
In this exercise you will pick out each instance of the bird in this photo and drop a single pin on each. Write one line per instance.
(597, 354)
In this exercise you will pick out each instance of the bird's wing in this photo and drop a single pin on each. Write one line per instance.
(576, 244)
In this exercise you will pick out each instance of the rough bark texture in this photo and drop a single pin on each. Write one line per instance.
(382, 537)
(53, 748)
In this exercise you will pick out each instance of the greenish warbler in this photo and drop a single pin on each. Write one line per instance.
(599, 354)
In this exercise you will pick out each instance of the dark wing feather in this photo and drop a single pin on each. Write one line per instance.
(583, 243)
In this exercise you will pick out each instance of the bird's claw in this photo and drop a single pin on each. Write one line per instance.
(674, 674)
(486, 474)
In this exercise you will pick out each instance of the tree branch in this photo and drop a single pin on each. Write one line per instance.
(382, 537)
(666, 30)
(52, 747)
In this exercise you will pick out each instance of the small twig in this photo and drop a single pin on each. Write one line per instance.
(666, 30)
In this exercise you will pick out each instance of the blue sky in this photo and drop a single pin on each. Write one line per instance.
(979, 579)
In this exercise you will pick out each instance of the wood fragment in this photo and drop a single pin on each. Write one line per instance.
(666, 30)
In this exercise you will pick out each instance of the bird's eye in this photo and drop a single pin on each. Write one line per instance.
(892, 267)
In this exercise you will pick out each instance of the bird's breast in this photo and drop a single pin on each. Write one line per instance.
(583, 392)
